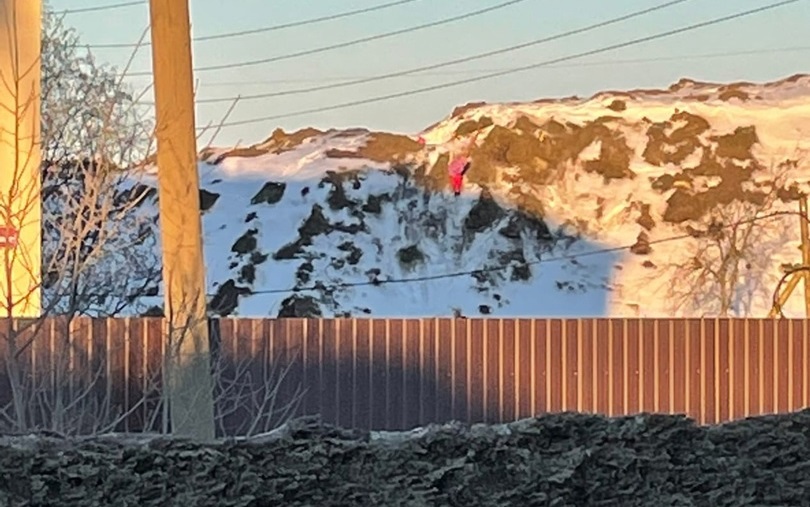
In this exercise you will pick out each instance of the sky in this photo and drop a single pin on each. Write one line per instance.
(782, 32)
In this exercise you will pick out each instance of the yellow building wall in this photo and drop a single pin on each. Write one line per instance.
(20, 157)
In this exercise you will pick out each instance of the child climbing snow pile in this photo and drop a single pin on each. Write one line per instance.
(457, 169)
(459, 166)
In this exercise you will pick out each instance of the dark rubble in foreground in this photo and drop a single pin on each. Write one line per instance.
(560, 460)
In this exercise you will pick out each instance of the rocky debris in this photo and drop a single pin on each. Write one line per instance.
(645, 219)
(315, 224)
(468, 127)
(617, 105)
(504, 148)
(561, 459)
(459, 110)
(292, 250)
(247, 274)
(410, 255)
(483, 214)
(153, 311)
(304, 272)
(728, 159)
(337, 198)
(513, 228)
(435, 178)
(246, 243)
(526, 125)
(298, 306)
(270, 193)
(278, 142)
(374, 203)
(381, 147)
(667, 182)
(737, 144)
(521, 271)
(226, 299)
(207, 199)
(728, 92)
(353, 251)
(673, 148)
(614, 154)
(642, 244)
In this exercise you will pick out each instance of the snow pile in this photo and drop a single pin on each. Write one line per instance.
(623, 204)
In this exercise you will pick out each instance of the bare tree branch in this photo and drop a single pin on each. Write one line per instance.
(730, 260)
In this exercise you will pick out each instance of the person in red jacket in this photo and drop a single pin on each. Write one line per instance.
(459, 166)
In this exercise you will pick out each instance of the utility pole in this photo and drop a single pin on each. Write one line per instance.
(20, 158)
(796, 273)
(188, 363)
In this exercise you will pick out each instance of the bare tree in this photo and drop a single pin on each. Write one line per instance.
(99, 258)
(96, 213)
(728, 268)
(252, 395)
(75, 184)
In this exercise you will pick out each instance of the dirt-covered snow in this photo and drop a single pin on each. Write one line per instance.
(362, 223)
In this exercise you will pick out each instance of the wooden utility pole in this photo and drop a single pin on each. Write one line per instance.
(188, 355)
(20, 156)
(797, 273)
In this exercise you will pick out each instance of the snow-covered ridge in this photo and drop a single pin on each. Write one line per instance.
(337, 215)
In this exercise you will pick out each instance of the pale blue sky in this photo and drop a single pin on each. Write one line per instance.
(786, 27)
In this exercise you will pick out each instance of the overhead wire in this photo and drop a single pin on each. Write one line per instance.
(353, 42)
(272, 28)
(468, 72)
(455, 61)
(106, 7)
(575, 56)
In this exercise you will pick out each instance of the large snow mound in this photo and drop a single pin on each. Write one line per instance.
(639, 203)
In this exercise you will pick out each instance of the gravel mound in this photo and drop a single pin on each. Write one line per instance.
(560, 460)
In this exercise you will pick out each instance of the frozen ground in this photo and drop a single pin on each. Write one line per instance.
(561, 459)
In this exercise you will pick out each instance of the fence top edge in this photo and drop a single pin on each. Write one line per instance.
(416, 319)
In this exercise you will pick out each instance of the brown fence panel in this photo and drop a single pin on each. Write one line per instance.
(402, 373)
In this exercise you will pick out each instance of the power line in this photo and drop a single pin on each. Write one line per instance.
(599, 63)
(456, 61)
(98, 8)
(350, 43)
(273, 28)
(492, 75)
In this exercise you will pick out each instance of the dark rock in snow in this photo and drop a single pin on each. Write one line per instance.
(226, 300)
(483, 214)
(642, 244)
(298, 306)
(270, 193)
(410, 255)
(207, 199)
(246, 243)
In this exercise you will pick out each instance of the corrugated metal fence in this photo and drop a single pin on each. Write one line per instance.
(401, 373)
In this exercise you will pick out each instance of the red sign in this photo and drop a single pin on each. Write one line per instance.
(8, 236)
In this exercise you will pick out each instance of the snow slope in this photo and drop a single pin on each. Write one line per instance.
(362, 223)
